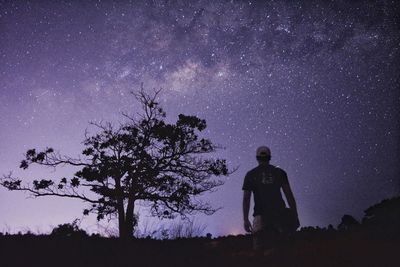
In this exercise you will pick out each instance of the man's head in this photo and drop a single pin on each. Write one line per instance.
(263, 154)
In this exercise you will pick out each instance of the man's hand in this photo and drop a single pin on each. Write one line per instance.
(246, 207)
(247, 226)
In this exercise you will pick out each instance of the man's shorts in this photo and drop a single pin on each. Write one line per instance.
(257, 223)
(261, 224)
(266, 233)
(281, 221)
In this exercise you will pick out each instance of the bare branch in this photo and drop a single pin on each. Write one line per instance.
(14, 184)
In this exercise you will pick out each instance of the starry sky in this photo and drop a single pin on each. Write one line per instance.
(317, 82)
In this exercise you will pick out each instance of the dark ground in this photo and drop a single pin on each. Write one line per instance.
(306, 248)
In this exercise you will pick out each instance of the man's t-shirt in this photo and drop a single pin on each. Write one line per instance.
(265, 181)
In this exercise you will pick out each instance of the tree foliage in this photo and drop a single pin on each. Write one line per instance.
(144, 159)
(348, 222)
(385, 215)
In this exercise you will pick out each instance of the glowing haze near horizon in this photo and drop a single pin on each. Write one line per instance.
(317, 82)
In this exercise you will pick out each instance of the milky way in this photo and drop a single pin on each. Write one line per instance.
(318, 83)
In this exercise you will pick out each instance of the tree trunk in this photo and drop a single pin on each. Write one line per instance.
(121, 222)
(130, 218)
(120, 209)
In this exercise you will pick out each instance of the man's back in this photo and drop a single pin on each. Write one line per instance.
(265, 182)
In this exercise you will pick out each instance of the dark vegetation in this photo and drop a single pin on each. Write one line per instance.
(69, 230)
(375, 241)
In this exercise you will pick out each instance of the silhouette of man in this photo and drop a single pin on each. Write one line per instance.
(271, 217)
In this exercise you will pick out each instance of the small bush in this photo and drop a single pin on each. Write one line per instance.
(69, 230)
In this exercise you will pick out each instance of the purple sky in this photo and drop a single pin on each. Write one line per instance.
(317, 83)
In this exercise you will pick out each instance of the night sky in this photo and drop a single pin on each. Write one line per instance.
(317, 82)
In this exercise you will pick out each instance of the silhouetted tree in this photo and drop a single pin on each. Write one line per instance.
(384, 216)
(144, 159)
(348, 222)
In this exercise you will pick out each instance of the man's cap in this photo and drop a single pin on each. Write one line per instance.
(263, 151)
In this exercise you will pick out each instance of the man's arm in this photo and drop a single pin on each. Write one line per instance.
(289, 197)
(246, 208)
